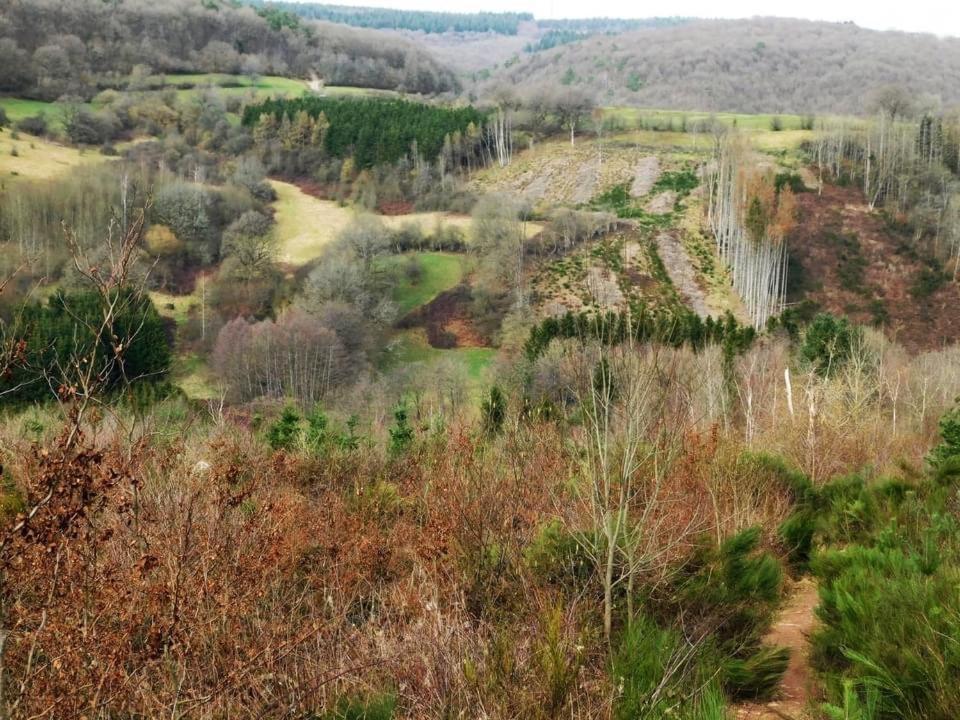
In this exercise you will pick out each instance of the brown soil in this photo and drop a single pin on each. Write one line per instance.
(395, 208)
(890, 270)
(447, 320)
(314, 189)
(791, 629)
(681, 270)
(645, 176)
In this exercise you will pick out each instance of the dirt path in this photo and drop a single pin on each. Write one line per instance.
(645, 176)
(680, 269)
(792, 629)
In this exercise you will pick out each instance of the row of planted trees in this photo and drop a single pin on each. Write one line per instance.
(750, 215)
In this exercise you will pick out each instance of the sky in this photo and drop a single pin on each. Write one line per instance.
(941, 17)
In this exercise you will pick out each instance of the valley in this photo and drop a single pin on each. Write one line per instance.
(370, 364)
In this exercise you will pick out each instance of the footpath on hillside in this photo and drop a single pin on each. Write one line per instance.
(791, 629)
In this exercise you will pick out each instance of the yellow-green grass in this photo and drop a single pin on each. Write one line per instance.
(176, 307)
(19, 108)
(38, 159)
(760, 121)
(355, 91)
(192, 375)
(412, 347)
(306, 225)
(439, 272)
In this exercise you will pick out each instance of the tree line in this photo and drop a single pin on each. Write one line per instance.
(49, 49)
(676, 327)
(502, 23)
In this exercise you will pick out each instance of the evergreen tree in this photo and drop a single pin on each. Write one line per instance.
(286, 431)
(401, 434)
(494, 411)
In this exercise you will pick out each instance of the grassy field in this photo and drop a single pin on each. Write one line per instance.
(439, 272)
(19, 108)
(305, 224)
(632, 116)
(176, 307)
(192, 375)
(33, 158)
(412, 347)
(226, 85)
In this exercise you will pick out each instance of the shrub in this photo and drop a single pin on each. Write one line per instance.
(378, 707)
(757, 676)
(4, 120)
(736, 587)
(660, 677)
(57, 334)
(949, 446)
(791, 180)
(829, 343)
(890, 619)
(928, 281)
(557, 555)
(85, 127)
(285, 433)
(33, 125)
(797, 534)
(559, 662)
(776, 123)
(401, 434)
(413, 270)
(317, 435)
(494, 411)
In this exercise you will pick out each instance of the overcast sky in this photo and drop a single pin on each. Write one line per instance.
(941, 17)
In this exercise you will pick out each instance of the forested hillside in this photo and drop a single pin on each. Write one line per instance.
(759, 65)
(384, 18)
(50, 48)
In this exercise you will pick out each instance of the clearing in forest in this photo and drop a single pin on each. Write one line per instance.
(306, 224)
(34, 158)
(554, 173)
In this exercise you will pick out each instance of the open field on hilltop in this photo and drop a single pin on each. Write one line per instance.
(177, 307)
(678, 119)
(194, 377)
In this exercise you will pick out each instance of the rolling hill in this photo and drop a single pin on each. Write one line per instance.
(756, 65)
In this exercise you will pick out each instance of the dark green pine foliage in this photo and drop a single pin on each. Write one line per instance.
(494, 411)
(65, 328)
(401, 434)
(375, 131)
(285, 433)
(675, 326)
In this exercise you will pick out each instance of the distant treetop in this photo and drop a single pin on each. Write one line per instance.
(384, 18)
